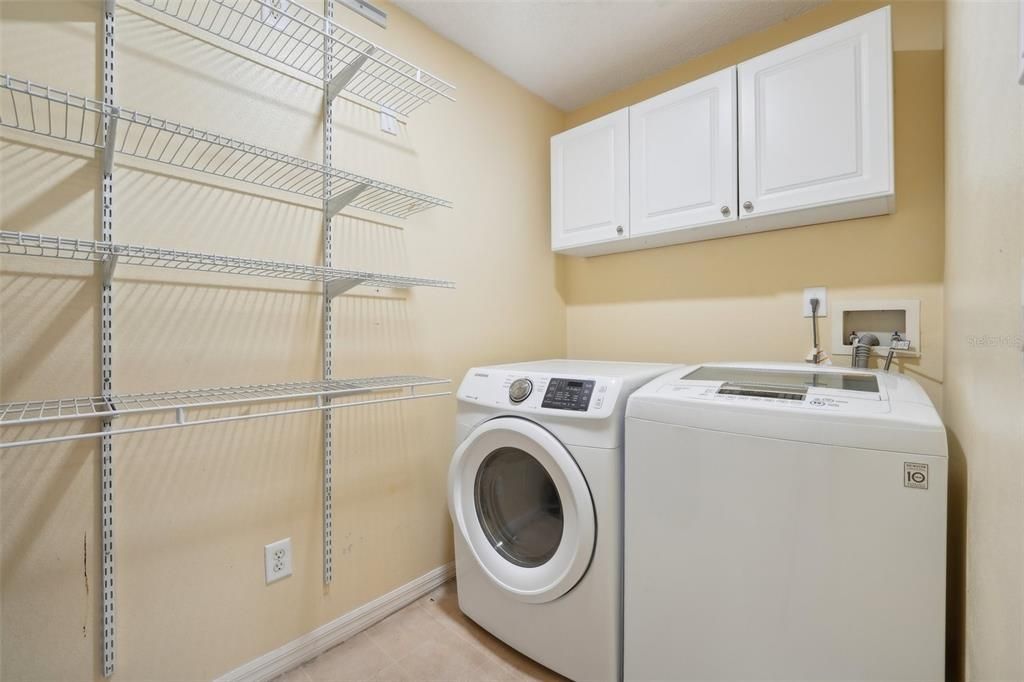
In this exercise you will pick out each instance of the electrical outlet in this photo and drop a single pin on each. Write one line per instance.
(278, 559)
(820, 293)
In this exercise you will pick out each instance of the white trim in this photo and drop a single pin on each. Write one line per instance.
(312, 644)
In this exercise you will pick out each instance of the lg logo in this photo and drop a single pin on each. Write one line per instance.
(915, 475)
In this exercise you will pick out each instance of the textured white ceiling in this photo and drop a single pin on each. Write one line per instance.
(571, 52)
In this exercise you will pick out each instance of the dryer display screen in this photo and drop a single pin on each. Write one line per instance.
(568, 394)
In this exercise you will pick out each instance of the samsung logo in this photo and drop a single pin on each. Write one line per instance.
(482, 374)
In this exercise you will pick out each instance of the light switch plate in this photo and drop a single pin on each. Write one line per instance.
(820, 293)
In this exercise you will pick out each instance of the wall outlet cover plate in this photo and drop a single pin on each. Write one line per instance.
(277, 557)
(820, 293)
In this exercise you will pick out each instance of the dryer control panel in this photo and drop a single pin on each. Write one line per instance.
(535, 392)
(568, 394)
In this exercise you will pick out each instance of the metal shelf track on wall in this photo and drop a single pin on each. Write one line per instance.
(39, 109)
(175, 406)
(293, 36)
(283, 36)
(66, 248)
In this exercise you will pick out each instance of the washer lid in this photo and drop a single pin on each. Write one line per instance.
(522, 505)
(827, 405)
(736, 380)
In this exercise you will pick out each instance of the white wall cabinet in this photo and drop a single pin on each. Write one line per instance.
(796, 136)
(682, 160)
(816, 126)
(590, 183)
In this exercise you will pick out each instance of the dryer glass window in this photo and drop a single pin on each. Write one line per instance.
(518, 507)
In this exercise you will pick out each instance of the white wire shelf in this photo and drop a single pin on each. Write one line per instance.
(47, 246)
(39, 109)
(293, 36)
(174, 406)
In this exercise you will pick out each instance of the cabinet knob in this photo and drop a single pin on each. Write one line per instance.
(747, 206)
(726, 211)
(618, 229)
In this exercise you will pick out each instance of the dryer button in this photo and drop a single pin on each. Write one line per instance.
(520, 390)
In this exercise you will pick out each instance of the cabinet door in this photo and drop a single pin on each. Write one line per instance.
(816, 119)
(682, 156)
(590, 182)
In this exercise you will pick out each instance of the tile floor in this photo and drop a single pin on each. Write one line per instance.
(428, 640)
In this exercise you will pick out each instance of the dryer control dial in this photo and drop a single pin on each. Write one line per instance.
(520, 390)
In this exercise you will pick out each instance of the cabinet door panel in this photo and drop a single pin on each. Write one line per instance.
(816, 119)
(590, 182)
(683, 156)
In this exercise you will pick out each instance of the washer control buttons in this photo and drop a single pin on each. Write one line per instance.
(520, 390)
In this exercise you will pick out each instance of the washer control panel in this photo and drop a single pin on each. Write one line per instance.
(568, 394)
(809, 398)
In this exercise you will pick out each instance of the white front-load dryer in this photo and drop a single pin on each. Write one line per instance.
(535, 494)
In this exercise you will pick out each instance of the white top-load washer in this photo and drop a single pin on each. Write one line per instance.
(535, 494)
(784, 522)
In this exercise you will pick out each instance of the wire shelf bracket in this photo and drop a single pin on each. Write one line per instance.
(43, 110)
(174, 406)
(311, 48)
(343, 77)
(337, 287)
(108, 262)
(339, 201)
(111, 138)
(297, 38)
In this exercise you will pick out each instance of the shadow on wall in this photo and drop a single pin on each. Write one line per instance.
(905, 247)
(956, 561)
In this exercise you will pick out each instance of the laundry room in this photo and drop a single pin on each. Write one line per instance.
(511, 340)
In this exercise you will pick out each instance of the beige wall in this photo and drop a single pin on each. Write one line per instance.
(195, 506)
(740, 298)
(984, 394)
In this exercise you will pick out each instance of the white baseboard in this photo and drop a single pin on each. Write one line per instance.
(312, 644)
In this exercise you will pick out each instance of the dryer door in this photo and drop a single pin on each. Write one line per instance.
(523, 507)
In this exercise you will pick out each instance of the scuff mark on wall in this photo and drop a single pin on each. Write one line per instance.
(85, 561)
(85, 577)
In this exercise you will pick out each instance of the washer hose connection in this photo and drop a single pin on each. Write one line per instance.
(862, 344)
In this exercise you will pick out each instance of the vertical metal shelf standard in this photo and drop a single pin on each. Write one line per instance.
(327, 346)
(107, 349)
(367, 71)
